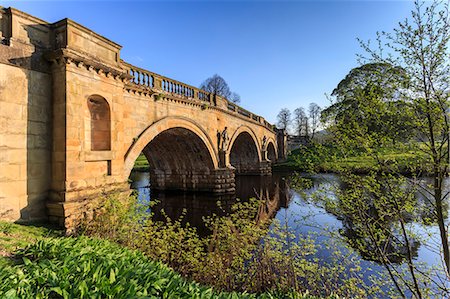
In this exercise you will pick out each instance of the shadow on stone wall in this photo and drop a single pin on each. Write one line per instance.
(37, 116)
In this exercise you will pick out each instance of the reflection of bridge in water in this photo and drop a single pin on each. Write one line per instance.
(272, 190)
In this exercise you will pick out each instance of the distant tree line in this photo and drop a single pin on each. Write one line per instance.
(300, 122)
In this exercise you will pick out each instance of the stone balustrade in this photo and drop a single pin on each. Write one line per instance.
(146, 79)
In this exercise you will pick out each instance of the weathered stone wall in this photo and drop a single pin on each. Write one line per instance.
(25, 121)
(25, 142)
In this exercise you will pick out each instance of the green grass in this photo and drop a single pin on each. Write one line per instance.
(327, 158)
(92, 268)
(141, 163)
(14, 236)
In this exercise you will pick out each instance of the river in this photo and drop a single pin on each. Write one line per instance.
(305, 217)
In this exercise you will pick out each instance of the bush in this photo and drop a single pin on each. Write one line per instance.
(242, 253)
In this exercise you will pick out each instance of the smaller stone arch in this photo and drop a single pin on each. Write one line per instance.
(99, 124)
(245, 151)
(252, 134)
(271, 152)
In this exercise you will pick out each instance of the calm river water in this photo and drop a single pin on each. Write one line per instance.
(286, 205)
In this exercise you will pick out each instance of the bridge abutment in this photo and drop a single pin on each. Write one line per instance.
(68, 208)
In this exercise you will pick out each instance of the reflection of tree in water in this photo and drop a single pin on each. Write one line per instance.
(391, 240)
(374, 213)
(425, 201)
(193, 207)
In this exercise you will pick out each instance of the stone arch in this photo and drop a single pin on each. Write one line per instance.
(271, 151)
(163, 125)
(244, 151)
(252, 134)
(99, 124)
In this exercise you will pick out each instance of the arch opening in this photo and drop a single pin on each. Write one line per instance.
(179, 160)
(244, 155)
(100, 123)
(271, 154)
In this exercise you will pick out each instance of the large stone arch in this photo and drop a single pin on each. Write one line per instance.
(160, 126)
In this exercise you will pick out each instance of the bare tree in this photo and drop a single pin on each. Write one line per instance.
(235, 98)
(301, 122)
(284, 118)
(314, 112)
(217, 85)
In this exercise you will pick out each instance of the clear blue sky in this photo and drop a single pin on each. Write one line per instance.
(275, 54)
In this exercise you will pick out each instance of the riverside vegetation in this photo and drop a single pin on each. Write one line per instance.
(334, 157)
(53, 266)
(238, 255)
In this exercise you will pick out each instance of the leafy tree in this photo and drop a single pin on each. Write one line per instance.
(400, 94)
(366, 100)
(420, 46)
(301, 122)
(284, 118)
(217, 85)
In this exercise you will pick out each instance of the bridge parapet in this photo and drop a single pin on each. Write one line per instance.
(155, 84)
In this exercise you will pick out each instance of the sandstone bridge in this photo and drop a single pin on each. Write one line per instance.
(74, 117)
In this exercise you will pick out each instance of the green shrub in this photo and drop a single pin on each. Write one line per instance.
(242, 253)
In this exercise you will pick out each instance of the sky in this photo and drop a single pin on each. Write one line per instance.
(274, 54)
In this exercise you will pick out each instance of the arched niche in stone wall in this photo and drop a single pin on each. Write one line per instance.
(100, 123)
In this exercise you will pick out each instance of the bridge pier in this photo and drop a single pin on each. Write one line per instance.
(217, 181)
(258, 168)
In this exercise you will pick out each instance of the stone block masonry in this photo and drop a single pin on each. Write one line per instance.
(74, 117)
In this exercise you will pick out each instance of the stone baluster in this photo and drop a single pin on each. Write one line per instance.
(158, 83)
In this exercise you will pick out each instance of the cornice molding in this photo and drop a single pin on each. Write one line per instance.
(66, 56)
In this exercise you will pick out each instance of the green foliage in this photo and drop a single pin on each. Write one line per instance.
(14, 236)
(89, 268)
(141, 162)
(335, 157)
(243, 252)
(373, 113)
(369, 110)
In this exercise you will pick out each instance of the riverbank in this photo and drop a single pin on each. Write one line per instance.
(329, 159)
(40, 261)
(141, 163)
